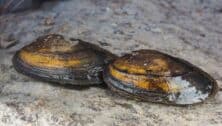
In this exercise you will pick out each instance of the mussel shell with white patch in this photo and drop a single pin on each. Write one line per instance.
(153, 76)
(53, 58)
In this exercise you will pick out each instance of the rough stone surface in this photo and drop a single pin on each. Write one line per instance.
(190, 29)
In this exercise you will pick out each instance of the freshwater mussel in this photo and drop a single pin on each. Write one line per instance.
(147, 75)
(153, 76)
(55, 59)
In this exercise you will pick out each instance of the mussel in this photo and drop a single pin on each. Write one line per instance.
(153, 76)
(55, 59)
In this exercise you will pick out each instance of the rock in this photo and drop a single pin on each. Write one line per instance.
(188, 29)
(7, 41)
(49, 21)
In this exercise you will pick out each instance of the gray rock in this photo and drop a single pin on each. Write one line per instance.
(188, 29)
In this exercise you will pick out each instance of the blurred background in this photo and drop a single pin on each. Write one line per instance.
(7, 6)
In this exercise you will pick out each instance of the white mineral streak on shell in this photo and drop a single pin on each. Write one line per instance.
(188, 93)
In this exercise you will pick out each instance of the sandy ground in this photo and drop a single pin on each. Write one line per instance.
(189, 29)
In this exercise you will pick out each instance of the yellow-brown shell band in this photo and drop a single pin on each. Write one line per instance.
(46, 61)
(158, 66)
(143, 82)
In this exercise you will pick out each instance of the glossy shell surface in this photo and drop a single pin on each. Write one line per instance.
(153, 76)
(53, 58)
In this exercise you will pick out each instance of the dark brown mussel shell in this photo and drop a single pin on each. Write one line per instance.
(153, 76)
(53, 58)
